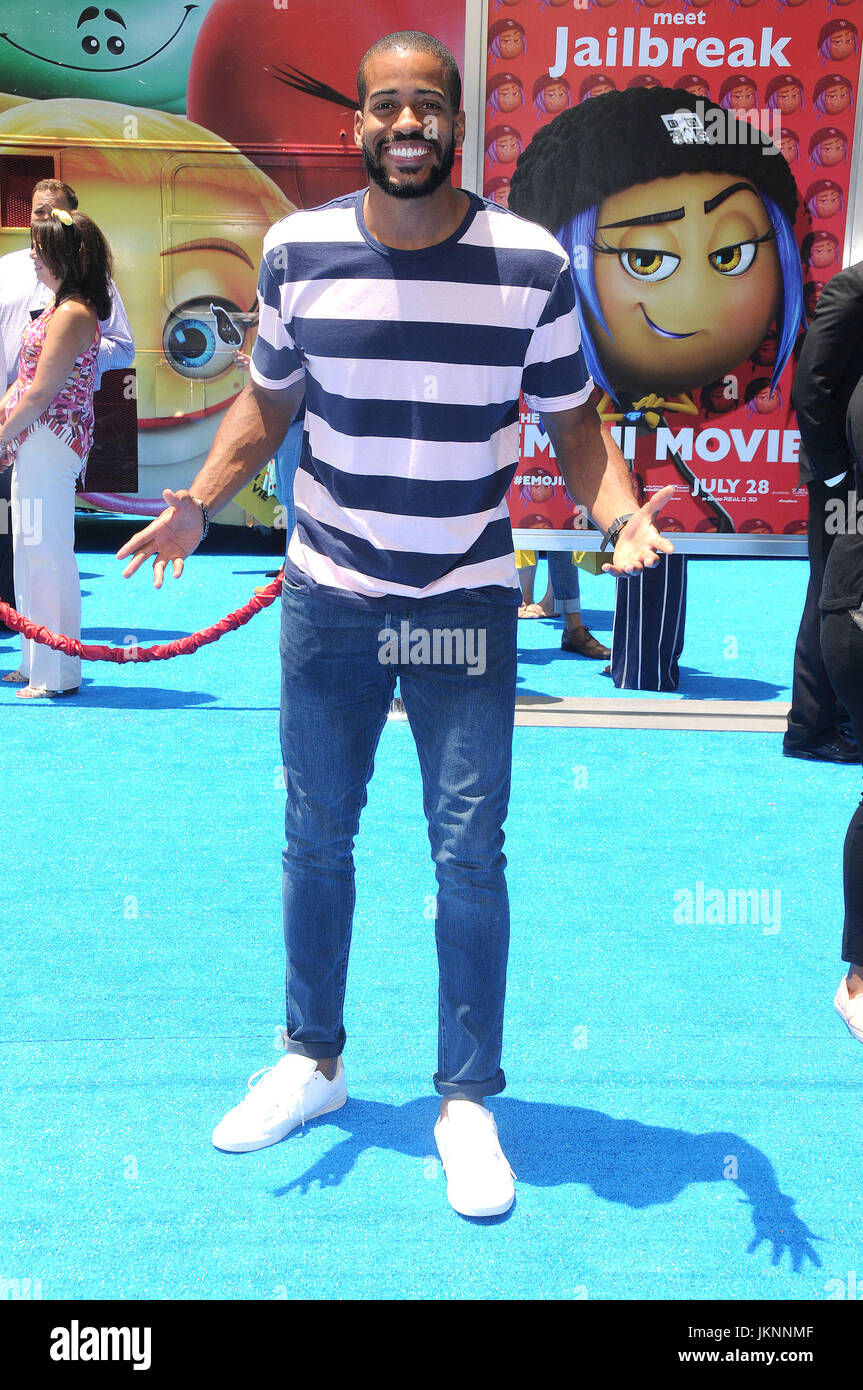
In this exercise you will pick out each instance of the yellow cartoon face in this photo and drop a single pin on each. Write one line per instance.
(192, 298)
(185, 227)
(688, 280)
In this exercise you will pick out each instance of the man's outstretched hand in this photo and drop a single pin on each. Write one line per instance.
(639, 544)
(174, 534)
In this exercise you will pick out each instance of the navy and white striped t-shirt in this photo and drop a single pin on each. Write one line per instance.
(413, 362)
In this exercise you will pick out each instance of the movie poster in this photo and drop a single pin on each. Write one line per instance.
(693, 309)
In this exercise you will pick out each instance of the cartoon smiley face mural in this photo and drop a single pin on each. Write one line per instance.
(682, 245)
(138, 50)
(185, 215)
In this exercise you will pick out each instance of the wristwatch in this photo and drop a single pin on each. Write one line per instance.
(614, 530)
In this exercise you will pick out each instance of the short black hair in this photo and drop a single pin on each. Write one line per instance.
(418, 42)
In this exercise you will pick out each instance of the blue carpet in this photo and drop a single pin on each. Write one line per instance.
(682, 1107)
(741, 625)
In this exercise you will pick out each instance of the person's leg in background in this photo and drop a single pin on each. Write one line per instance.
(7, 577)
(842, 647)
(48, 589)
(525, 564)
(649, 619)
(563, 576)
(816, 715)
(21, 597)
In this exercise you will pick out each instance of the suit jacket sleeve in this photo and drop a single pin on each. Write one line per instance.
(821, 381)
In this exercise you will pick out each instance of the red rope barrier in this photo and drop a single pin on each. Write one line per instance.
(183, 646)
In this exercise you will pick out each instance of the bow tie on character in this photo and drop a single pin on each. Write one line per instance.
(647, 415)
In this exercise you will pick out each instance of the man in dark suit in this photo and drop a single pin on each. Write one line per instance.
(830, 366)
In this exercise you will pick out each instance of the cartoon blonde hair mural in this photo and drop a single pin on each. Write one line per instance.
(185, 214)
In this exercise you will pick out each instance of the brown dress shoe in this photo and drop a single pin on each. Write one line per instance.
(583, 643)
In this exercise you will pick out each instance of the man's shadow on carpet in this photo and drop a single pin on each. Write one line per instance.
(621, 1161)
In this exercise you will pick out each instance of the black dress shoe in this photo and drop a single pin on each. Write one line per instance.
(832, 750)
(583, 643)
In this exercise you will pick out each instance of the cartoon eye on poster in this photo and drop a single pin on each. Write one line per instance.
(185, 235)
(679, 223)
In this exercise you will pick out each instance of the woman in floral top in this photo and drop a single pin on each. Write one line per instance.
(46, 430)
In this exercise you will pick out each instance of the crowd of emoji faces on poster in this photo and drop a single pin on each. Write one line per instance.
(725, 433)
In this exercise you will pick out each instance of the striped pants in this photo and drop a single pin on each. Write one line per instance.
(649, 619)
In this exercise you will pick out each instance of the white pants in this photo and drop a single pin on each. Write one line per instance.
(47, 586)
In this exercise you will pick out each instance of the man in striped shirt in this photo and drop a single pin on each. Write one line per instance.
(411, 315)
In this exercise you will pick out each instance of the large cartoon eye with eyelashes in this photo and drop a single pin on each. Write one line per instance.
(199, 337)
(733, 260)
(646, 264)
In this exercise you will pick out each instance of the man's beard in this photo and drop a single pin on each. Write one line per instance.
(439, 174)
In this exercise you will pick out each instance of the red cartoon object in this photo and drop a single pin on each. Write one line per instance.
(264, 75)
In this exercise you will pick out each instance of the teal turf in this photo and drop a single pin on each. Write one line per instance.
(682, 1107)
(741, 625)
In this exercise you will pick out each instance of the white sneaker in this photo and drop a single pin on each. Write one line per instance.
(850, 1009)
(479, 1179)
(287, 1095)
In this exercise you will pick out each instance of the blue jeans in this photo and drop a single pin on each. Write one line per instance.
(564, 580)
(339, 669)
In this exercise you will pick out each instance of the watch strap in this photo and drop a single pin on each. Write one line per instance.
(614, 530)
